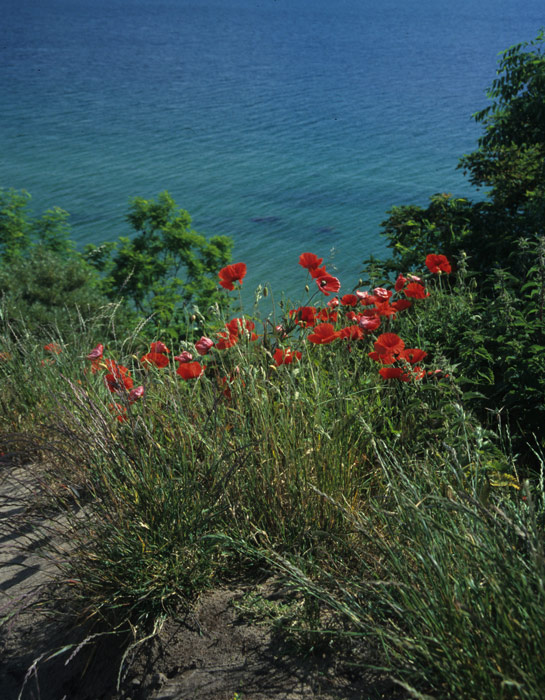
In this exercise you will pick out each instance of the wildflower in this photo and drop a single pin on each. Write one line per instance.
(158, 346)
(413, 355)
(285, 356)
(366, 298)
(327, 283)
(369, 323)
(5, 356)
(204, 345)
(384, 308)
(304, 316)
(310, 261)
(324, 333)
(400, 283)
(184, 356)
(155, 358)
(190, 370)
(327, 316)
(119, 382)
(232, 273)
(382, 294)
(121, 410)
(96, 353)
(383, 358)
(350, 300)
(392, 373)
(437, 264)
(333, 303)
(351, 333)
(401, 304)
(415, 290)
(54, 348)
(135, 394)
(389, 344)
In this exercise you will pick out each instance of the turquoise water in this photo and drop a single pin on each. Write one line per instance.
(290, 125)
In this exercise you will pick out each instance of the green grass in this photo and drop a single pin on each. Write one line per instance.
(399, 519)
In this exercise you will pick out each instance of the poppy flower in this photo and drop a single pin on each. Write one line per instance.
(333, 303)
(55, 348)
(415, 290)
(324, 333)
(351, 333)
(304, 316)
(400, 283)
(158, 346)
(384, 308)
(437, 264)
(318, 272)
(226, 340)
(327, 283)
(96, 353)
(239, 326)
(120, 410)
(135, 394)
(117, 382)
(155, 358)
(369, 323)
(232, 273)
(366, 298)
(310, 261)
(327, 316)
(184, 356)
(389, 344)
(391, 373)
(413, 355)
(383, 358)
(190, 370)
(350, 300)
(285, 356)
(204, 345)
(382, 294)
(401, 304)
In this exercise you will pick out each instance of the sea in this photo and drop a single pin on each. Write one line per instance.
(290, 125)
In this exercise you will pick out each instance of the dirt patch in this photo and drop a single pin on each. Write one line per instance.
(215, 652)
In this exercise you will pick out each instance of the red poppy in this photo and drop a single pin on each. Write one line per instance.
(118, 382)
(226, 340)
(351, 333)
(240, 327)
(204, 345)
(369, 323)
(392, 373)
(310, 261)
(350, 300)
(120, 410)
(327, 283)
(389, 344)
(318, 272)
(135, 394)
(232, 273)
(401, 304)
(158, 346)
(383, 358)
(190, 370)
(415, 290)
(285, 356)
(118, 370)
(333, 303)
(96, 353)
(384, 308)
(366, 299)
(382, 294)
(324, 333)
(413, 355)
(437, 264)
(155, 358)
(304, 316)
(55, 348)
(184, 356)
(400, 283)
(327, 316)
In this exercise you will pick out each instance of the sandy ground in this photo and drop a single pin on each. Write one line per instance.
(213, 653)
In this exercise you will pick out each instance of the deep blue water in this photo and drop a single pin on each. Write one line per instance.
(290, 125)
